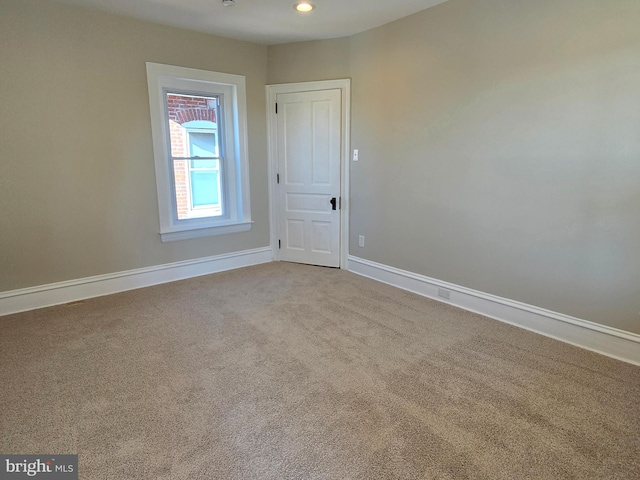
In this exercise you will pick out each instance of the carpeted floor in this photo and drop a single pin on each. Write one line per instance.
(285, 371)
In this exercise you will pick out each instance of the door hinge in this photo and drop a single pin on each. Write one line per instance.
(276, 108)
(339, 203)
(277, 177)
(279, 244)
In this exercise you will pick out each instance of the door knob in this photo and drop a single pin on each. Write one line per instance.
(333, 203)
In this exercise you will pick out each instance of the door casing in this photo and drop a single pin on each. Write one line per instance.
(272, 92)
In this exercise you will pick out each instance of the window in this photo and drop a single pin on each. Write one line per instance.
(198, 121)
(203, 180)
(195, 155)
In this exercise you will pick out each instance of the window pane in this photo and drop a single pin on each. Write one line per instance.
(200, 164)
(198, 188)
(191, 111)
(204, 188)
(202, 144)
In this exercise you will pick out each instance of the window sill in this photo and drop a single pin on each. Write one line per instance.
(205, 232)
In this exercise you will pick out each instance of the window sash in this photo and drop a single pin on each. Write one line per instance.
(217, 210)
(194, 211)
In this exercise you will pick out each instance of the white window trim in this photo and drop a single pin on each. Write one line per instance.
(159, 79)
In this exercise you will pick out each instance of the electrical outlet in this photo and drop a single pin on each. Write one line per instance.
(444, 293)
(355, 154)
(361, 241)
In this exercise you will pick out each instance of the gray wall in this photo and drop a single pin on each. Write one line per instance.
(77, 180)
(498, 139)
(309, 61)
(500, 150)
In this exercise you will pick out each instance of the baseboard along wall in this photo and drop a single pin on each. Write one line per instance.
(15, 301)
(608, 341)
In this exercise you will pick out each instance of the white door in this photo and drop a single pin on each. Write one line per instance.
(309, 129)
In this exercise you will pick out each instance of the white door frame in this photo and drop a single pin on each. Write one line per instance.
(272, 123)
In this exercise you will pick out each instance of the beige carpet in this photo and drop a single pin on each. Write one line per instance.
(286, 371)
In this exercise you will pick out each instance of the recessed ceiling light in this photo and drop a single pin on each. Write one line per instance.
(304, 7)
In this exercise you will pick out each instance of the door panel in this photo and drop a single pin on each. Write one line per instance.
(309, 129)
(295, 235)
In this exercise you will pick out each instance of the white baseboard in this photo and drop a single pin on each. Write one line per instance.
(24, 299)
(608, 341)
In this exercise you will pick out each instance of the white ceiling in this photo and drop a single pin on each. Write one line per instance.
(265, 21)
